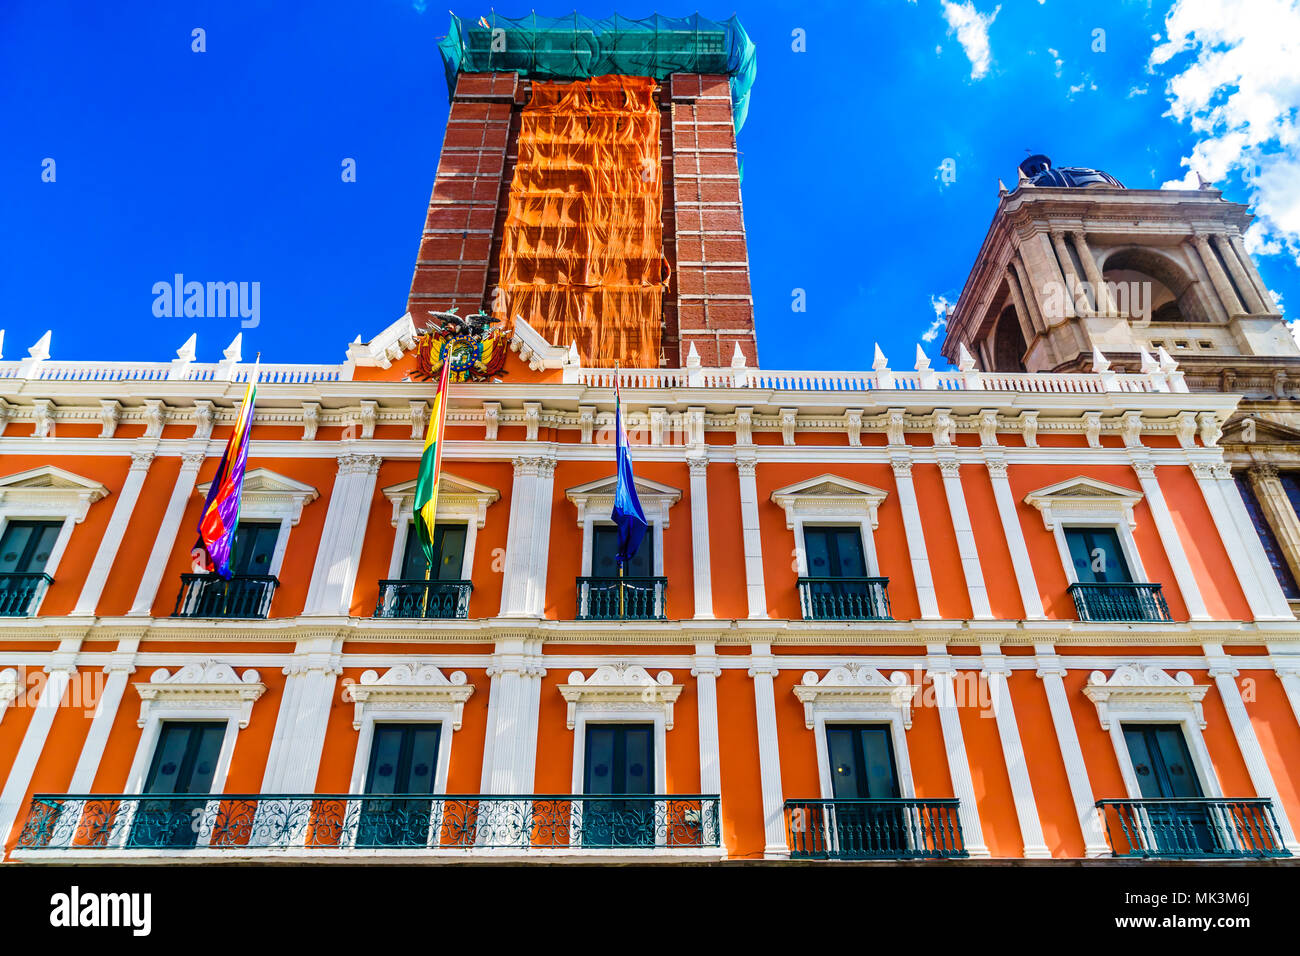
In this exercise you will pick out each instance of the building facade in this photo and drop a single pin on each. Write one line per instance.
(886, 614)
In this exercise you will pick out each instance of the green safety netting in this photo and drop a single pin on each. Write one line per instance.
(577, 47)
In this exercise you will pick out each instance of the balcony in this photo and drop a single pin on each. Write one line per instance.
(873, 829)
(236, 825)
(20, 592)
(1206, 829)
(210, 595)
(445, 600)
(844, 599)
(622, 599)
(1119, 602)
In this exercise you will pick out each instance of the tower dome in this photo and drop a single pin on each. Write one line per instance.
(1038, 171)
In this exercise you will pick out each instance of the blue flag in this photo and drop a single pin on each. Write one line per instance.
(627, 513)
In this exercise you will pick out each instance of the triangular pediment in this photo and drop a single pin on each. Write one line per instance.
(447, 485)
(827, 486)
(1266, 432)
(1075, 488)
(50, 478)
(267, 481)
(607, 486)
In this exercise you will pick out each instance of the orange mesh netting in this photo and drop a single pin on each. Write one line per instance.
(582, 249)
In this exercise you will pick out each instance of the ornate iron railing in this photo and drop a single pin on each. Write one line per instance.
(238, 822)
(209, 595)
(423, 599)
(622, 599)
(20, 592)
(844, 599)
(873, 829)
(1119, 602)
(1211, 828)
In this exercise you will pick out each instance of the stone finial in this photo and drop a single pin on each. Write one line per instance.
(879, 363)
(234, 351)
(41, 350)
(737, 357)
(922, 360)
(1099, 362)
(693, 357)
(965, 361)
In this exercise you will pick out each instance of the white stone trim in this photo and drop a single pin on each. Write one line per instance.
(1134, 693)
(268, 496)
(700, 551)
(459, 500)
(334, 573)
(1173, 545)
(856, 693)
(1084, 502)
(165, 540)
(119, 670)
(927, 596)
(595, 503)
(1014, 534)
(831, 500)
(751, 535)
(950, 466)
(763, 668)
(106, 554)
(941, 670)
(44, 493)
(407, 693)
(996, 672)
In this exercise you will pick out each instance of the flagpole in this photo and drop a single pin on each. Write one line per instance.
(618, 438)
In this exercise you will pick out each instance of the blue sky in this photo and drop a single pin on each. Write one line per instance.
(225, 165)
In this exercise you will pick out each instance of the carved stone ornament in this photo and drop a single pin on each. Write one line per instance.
(412, 688)
(1136, 690)
(201, 686)
(855, 687)
(621, 687)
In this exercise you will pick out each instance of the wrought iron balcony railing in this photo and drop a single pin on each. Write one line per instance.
(844, 599)
(873, 829)
(622, 599)
(1119, 602)
(331, 822)
(209, 595)
(20, 592)
(1192, 829)
(423, 599)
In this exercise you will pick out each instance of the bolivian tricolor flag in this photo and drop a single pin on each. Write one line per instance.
(426, 485)
(220, 515)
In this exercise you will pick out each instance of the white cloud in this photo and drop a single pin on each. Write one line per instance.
(1233, 70)
(972, 29)
(940, 304)
(1056, 60)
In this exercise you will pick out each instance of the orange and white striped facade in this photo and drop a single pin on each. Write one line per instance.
(995, 693)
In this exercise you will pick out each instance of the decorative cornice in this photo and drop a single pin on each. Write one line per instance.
(206, 685)
(1137, 689)
(413, 688)
(855, 686)
(620, 687)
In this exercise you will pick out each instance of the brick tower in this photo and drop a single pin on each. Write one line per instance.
(689, 278)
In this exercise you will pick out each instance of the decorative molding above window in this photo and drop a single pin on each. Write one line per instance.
(410, 688)
(620, 688)
(270, 496)
(828, 498)
(855, 689)
(595, 499)
(1135, 692)
(1084, 500)
(458, 499)
(201, 687)
(48, 492)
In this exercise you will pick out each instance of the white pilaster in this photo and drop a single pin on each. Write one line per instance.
(940, 670)
(1173, 545)
(168, 531)
(334, 576)
(1242, 540)
(970, 559)
(61, 668)
(1051, 671)
(119, 670)
(299, 737)
(1015, 537)
(996, 673)
(915, 530)
(93, 587)
(1261, 777)
(523, 586)
(516, 674)
(705, 670)
(755, 589)
(1286, 663)
(703, 574)
(762, 669)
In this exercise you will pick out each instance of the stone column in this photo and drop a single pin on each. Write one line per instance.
(93, 587)
(1015, 537)
(1172, 543)
(523, 587)
(1253, 301)
(1275, 504)
(939, 668)
(763, 669)
(970, 559)
(996, 673)
(334, 576)
(925, 591)
(1286, 664)
(1256, 279)
(703, 573)
(706, 672)
(512, 728)
(755, 589)
(1029, 294)
(1051, 671)
(1029, 325)
(1261, 777)
(1067, 267)
(1219, 279)
(1100, 294)
(165, 541)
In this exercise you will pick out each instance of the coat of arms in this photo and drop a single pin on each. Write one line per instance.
(475, 349)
